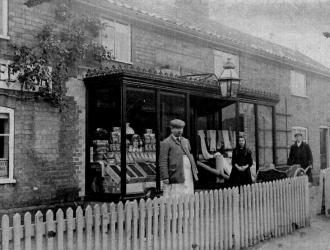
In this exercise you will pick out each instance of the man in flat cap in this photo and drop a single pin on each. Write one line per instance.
(177, 165)
(300, 153)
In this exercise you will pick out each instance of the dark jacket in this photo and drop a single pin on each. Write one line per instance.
(300, 155)
(171, 160)
(241, 157)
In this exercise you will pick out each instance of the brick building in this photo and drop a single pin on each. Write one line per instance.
(46, 149)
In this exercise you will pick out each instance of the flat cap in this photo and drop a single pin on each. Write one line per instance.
(177, 123)
(298, 133)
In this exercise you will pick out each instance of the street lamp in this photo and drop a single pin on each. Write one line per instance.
(229, 81)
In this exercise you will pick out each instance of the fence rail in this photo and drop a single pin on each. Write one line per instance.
(218, 219)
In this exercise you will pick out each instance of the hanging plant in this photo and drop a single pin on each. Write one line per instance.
(47, 66)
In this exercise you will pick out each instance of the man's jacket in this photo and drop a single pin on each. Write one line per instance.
(171, 159)
(300, 155)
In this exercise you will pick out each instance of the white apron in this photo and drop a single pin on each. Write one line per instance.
(178, 189)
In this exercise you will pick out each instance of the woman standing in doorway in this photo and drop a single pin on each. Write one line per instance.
(241, 162)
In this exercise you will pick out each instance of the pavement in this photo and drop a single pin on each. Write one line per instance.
(315, 237)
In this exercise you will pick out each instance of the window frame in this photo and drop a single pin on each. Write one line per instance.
(113, 23)
(293, 89)
(5, 10)
(296, 129)
(10, 179)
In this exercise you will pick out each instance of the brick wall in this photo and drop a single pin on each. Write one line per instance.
(44, 141)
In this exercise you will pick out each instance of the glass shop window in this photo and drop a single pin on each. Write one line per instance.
(247, 126)
(265, 129)
(173, 106)
(105, 158)
(141, 129)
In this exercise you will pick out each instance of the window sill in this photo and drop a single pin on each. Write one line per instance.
(7, 181)
(4, 37)
(301, 96)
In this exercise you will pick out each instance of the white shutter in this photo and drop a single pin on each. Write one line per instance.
(108, 35)
(122, 42)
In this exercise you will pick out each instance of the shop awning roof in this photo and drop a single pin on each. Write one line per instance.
(179, 81)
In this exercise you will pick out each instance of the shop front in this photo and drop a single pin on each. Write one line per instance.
(128, 114)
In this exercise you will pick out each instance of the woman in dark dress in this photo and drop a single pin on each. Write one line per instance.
(241, 162)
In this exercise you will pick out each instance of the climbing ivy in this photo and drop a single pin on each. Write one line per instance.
(60, 48)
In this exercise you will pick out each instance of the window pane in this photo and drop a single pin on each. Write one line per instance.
(104, 129)
(265, 135)
(4, 156)
(247, 125)
(229, 126)
(140, 140)
(172, 107)
(4, 124)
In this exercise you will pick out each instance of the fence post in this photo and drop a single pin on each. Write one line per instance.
(50, 230)
(113, 220)
(307, 200)
(120, 225)
(168, 223)
(135, 224)
(105, 223)
(212, 229)
(321, 192)
(155, 223)
(97, 224)
(236, 217)
(89, 226)
(142, 208)
(225, 216)
(192, 201)
(162, 223)
(221, 220)
(186, 216)
(216, 219)
(38, 221)
(196, 239)
(207, 220)
(69, 219)
(180, 222)
(17, 231)
(230, 219)
(28, 231)
(128, 225)
(79, 228)
(5, 232)
(149, 224)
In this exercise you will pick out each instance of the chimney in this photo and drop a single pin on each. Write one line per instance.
(192, 9)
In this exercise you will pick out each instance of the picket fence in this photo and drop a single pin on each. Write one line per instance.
(218, 219)
(324, 192)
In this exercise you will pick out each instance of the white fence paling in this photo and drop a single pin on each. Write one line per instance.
(220, 219)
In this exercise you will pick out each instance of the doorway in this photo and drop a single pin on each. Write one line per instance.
(324, 149)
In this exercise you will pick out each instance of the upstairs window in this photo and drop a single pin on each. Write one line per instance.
(220, 58)
(117, 38)
(3, 18)
(301, 130)
(298, 84)
(6, 145)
